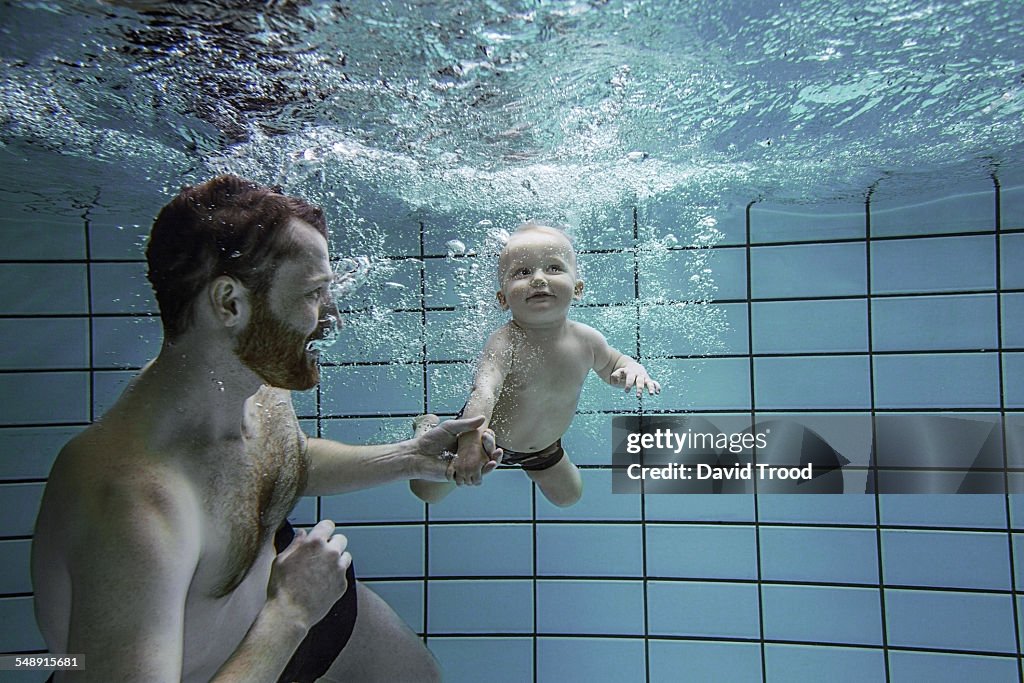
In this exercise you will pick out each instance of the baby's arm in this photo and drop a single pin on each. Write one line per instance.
(617, 368)
(492, 367)
(490, 375)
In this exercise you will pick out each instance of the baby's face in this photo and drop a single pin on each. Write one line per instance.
(537, 269)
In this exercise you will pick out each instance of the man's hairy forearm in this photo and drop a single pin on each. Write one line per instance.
(336, 467)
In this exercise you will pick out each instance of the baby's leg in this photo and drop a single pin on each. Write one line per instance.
(560, 483)
(424, 423)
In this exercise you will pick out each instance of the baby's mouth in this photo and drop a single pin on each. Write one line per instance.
(539, 295)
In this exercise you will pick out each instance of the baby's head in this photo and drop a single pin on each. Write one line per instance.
(537, 273)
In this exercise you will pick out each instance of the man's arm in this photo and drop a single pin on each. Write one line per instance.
(131, 569)
(335, 467)
(615, 367)
(306, 579)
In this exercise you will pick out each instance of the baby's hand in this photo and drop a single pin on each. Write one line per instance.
(634, 374)
(470, 461)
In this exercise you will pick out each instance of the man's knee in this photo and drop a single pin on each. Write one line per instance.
(383, 648)
(431, 669)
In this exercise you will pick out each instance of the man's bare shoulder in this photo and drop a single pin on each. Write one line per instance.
(100, 477)
(269, 393)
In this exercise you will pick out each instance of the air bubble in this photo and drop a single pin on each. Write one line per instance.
(349, 275)
(455, 247)
(330, 337)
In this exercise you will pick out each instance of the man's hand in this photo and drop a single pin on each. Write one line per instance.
(309, 575)
(443, 440)
(634, 374)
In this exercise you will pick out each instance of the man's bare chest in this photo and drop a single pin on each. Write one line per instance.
(253, 497)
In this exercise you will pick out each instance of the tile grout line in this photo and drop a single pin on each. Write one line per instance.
(753, 419)
(874, 470)
(1007, 487)
(643, 493)
(424, 404)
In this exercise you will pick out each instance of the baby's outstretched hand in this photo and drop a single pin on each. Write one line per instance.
(634, 374)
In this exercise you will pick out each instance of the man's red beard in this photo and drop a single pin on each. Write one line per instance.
(275, 351)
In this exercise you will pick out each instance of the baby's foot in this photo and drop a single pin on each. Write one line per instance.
(424, 423)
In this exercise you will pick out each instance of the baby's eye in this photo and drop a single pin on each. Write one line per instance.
(554, 268)
(523, 272)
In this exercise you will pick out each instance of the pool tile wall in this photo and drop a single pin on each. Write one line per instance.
(882, 306)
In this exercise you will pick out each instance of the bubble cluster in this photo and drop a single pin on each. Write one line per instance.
(430, 130)
(349, 275)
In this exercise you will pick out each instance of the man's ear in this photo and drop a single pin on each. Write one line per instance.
(229, 301)
(578, 291)
(501, 300)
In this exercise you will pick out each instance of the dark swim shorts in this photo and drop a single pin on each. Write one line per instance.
(534, 462)
(328, 637)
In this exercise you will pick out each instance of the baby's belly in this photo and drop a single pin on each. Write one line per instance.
(214, 628)
(528, 430)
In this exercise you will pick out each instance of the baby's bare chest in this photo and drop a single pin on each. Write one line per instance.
(538, 399)
(556, 367)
